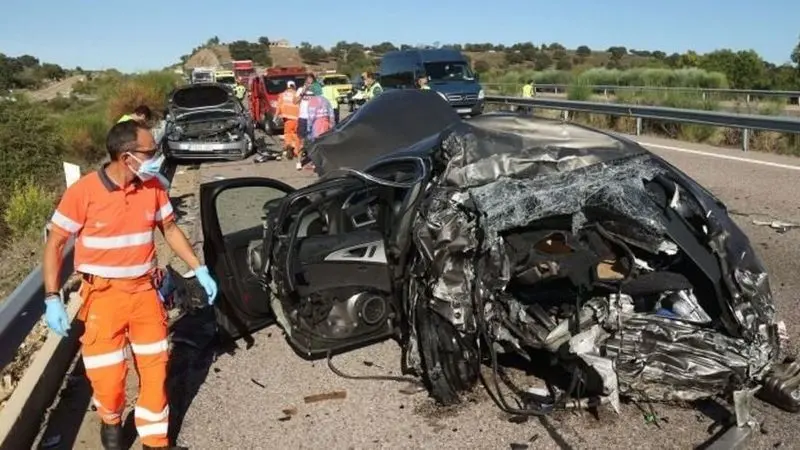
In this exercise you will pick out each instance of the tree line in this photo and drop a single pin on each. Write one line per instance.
(27, 72)
(744, 69)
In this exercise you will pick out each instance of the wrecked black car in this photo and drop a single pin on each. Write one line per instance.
(568, 248)
(207, 122)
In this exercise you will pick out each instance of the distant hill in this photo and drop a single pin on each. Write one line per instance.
(219, 55)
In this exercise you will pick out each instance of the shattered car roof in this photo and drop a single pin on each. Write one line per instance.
(391, 122)
(507, 145)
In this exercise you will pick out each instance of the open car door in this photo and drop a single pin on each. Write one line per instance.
(231, 211)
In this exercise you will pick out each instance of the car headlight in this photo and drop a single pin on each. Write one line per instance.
(175, 133)
(481, 94)
(444, 97)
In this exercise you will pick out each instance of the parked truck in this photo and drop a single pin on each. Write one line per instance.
(203, 75)
(264, 92)
(243, 70)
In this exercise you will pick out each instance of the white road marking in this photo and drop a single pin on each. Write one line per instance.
(721, 156)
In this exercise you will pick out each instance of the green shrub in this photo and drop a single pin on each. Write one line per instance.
(692, 77)
(31, 146)
(579, 90)
(84, 133)
(28, 209)
(149, 89)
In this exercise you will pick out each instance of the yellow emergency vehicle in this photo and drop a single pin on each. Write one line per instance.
(338, 81)
(225, 77)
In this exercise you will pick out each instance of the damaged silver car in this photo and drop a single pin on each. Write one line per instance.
(592, 262)
(207, 122)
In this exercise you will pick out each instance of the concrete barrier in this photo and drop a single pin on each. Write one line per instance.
(22, 414)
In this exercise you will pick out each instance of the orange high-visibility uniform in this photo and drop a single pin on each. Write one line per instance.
(289, 110)
(115, 253)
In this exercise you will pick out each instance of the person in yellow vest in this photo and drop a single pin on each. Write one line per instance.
(141, 114)
(528, 91)
(373, 88)
(332, 95)
(239, 90)
(422, 81)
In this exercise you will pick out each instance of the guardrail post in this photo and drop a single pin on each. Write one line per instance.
(747, 99)
(745, 139)
(556, 88)
(704, 95)
(565, 115)
(605, 93)
(638, 126)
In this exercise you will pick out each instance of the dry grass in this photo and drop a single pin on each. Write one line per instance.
(18, 259)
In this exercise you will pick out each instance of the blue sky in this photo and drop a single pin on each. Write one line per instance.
(150, 34)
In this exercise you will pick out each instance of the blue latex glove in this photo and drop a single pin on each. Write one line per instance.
(55, 315)
(208, 283)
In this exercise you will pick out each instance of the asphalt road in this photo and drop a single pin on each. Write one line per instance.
(63, 87)
(254, 398)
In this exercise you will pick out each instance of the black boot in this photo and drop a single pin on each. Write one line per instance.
(111, 436)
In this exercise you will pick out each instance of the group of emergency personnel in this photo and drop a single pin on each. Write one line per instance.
(113, 214)
(314, 109)
(306, 112)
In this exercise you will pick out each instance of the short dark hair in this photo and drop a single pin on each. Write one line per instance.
(144, 110)
(312, 76)
(121, 138)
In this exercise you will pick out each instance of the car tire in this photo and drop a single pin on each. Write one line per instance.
(450, 362)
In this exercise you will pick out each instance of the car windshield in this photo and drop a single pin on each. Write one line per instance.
(332, 81)
(226, 80)
(449, 71)
(202, 76)
(276, 85)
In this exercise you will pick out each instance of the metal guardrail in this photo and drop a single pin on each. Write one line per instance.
(606, 89)
(745, 122)
(25, 306)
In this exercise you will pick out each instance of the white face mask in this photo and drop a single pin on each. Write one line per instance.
(147, 169)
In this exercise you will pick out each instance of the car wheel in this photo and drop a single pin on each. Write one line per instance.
(449, 360)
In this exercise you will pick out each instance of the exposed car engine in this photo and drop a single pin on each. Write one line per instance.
(632, 276)
(206, 121)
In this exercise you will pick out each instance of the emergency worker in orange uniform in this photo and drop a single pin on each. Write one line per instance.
(114, 213)
(288, 111)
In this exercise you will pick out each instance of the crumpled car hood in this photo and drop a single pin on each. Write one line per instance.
(502, 174)
(201, 97)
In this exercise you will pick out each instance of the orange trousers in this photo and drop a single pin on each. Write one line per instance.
(290, 138)
(118, 312)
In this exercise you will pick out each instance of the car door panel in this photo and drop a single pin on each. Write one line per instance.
(232, 221)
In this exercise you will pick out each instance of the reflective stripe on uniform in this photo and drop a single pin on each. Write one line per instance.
(150, 349)
(114, 224)
(106, 413)
(122, 241)
(65, 222)
(150, 416)
(104, 360)
(153, 429)
(164, 212)
(116, 271)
